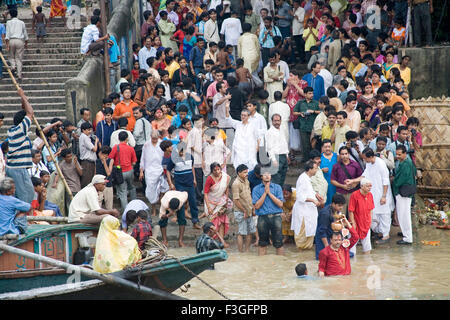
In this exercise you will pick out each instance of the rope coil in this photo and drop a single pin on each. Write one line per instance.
(156, 251)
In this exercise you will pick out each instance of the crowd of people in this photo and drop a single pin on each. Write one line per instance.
(214, 103)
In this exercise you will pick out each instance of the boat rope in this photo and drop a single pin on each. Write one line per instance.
(156, 251)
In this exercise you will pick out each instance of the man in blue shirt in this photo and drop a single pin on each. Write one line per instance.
(12, 217)
(196, 60)
(266, 38)
(315, 81)
(268, 200)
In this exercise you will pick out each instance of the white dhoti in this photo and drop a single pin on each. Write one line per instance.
(403, 205)
(294, 138)
(156, 184)
(381, 223)
(366, 244)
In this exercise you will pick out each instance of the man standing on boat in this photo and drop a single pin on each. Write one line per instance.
(85, 207)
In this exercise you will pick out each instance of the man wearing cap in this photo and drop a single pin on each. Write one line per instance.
(85, 207)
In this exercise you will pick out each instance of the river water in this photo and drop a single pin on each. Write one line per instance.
(389, 272)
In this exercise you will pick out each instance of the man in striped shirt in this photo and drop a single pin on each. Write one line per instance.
(18, 158)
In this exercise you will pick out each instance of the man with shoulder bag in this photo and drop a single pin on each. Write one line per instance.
(404, 187)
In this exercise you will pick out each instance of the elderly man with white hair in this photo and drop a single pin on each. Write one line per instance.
(326, 75)
(378, 173)
(151, 170)
(12, 210)
(360, 209)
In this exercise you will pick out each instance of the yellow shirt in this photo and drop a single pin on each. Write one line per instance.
(171, 68)
(406, 75)
(310, 41)
(327, 132)
(340, 136)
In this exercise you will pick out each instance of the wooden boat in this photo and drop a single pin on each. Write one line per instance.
(23, 278)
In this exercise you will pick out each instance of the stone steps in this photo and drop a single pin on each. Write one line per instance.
(6, 101)
(46, 67)
(34, 93)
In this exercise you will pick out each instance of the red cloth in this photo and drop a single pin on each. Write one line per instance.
(361, 206)
(208, 184)
(179, 35)
(337, 263)
(127, 156)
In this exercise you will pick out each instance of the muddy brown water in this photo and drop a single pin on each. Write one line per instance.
(389, 272)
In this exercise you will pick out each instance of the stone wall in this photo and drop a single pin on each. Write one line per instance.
(430, 68)
(89, 85)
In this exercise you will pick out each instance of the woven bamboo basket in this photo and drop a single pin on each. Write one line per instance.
(434, 156)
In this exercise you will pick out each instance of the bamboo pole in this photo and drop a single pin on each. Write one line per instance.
(106, 278)
(106, 51)
(58, 169)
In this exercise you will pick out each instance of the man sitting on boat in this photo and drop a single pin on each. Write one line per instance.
(85, 207)
(12, 210)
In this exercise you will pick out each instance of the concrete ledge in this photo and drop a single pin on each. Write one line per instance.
(89, 85)
(430, 68)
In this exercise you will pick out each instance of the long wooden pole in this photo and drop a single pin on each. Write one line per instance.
(106, 278)
(58, 169)
(106, 53)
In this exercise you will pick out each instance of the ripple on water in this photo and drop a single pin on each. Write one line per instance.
(389, 272)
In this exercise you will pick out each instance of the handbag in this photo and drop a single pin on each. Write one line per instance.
(116, 173)
(407, 190)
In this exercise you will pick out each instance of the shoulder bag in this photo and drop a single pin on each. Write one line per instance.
(116, 173)
(408, 190)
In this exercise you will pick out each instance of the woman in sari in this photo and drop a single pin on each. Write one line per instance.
(114, 249)
(327, 161)
(389, 64)
(57, 9)
(161, 122)
(216, 199)
(293, 93)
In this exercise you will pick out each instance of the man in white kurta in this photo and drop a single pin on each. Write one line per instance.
(151, 168)
(378, 173)
(283, 109)
(249, 49)
(278, 150)
(304, 212)
(245, 142)
(258, 121)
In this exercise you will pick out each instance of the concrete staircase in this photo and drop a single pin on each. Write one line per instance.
(46, 67)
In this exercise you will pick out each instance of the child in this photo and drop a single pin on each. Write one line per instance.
(131, 219)
(223, 58)
(39, 24)
(321, 25)
(310, 37)
(102, 166)
(135, 71)
(232, 60)
(263, 95)
(165, 82)
(400, 85)
(38, 203)
(302, 272)
(136, 49)
(142, 229)
(399, 33)
(243, 76)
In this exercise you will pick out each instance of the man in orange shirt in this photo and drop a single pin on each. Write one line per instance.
(124, 109)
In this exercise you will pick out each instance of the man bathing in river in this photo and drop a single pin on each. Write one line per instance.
(334, 260)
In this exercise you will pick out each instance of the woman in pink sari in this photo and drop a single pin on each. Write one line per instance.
(216, 199)
(293, 93)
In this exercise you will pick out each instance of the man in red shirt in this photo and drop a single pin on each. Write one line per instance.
(125, 157)
(334, 260)
(360, 209)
